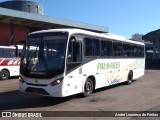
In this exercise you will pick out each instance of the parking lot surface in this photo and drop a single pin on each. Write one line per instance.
(142, 95)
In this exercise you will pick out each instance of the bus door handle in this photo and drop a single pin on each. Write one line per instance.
(70, 77)
(97, 73)
(84, 75)
(110, 71)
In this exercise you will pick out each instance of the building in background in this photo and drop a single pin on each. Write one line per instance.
(137, 37)
(20, 17)
(153, 51)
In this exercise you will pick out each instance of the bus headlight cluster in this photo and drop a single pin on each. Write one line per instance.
(21, 80)
(56, 82)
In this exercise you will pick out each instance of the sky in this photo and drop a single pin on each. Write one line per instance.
(122, 17)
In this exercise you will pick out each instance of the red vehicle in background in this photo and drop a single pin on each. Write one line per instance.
(9, 61)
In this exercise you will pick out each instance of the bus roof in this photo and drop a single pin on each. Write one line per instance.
(80, 31)
(12, 47)
(8, 47)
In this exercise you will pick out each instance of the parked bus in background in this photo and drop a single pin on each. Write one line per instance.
(9, 61)
(64, 62)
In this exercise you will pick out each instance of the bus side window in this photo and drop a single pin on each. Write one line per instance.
(7, 53)
(109, 48)
(88, 47)
(142, 51)
(106, 48)
(126, 50)
(138, 52)
(132, 51)
(74, 56)
(1, 52)
(12, 52)
(92, 47)
(77, 55)
(74, 51)
(103, 48)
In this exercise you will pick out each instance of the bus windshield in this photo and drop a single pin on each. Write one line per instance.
(44, 54)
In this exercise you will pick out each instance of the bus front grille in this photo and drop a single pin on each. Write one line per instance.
(37, 91)
(37, 84)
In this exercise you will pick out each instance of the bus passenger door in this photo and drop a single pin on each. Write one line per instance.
(73, 71)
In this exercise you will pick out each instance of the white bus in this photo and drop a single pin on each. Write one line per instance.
(64, 62)
(9, 61)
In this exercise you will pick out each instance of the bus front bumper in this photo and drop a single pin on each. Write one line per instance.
(48, 90)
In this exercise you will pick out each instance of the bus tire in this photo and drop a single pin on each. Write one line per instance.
(4, 74)
(129, 78)
(88, 87)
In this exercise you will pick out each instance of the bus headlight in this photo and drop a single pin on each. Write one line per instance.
(21, 80)
(56, 82)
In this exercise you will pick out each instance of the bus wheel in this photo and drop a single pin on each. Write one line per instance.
(88, 87)
(130, 78)
(4, 74)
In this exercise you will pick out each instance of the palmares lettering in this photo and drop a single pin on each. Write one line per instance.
(104, 66)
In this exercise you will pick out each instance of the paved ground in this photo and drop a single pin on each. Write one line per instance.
(142, 95)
